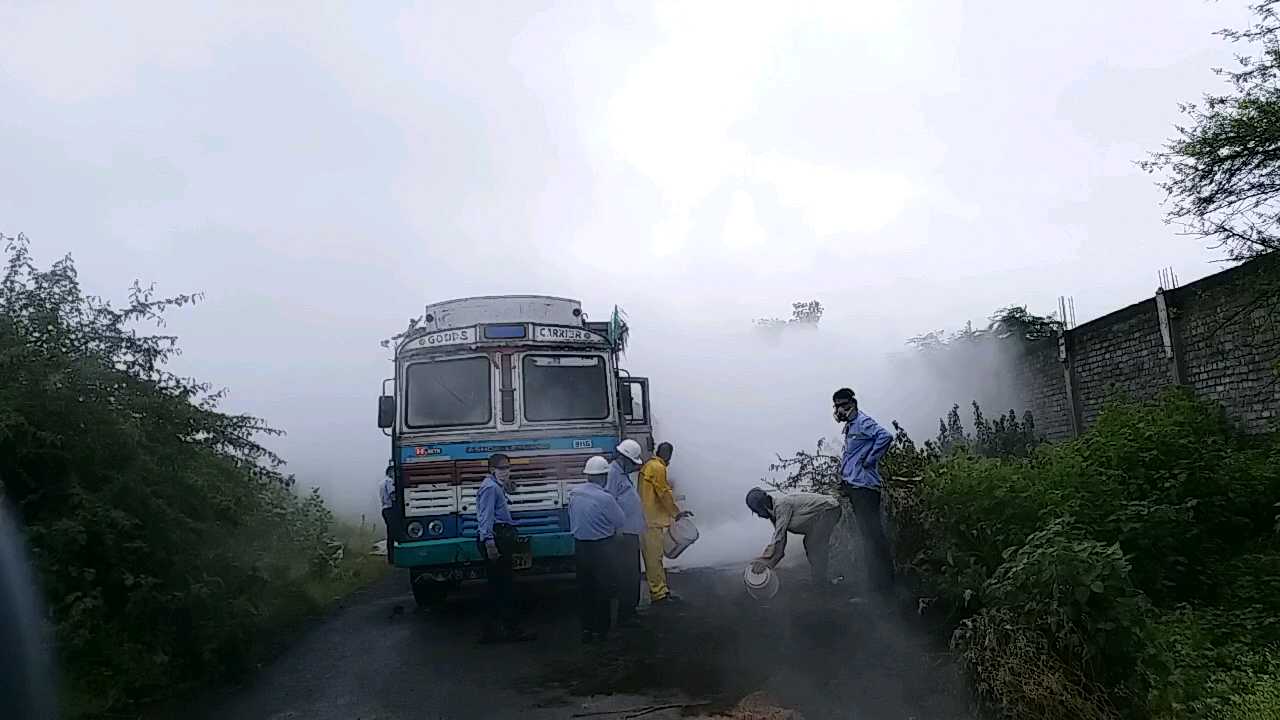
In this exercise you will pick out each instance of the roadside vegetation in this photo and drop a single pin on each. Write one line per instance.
(171, 548)
(1131, 573)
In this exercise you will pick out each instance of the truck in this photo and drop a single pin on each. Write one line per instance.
(525, 375)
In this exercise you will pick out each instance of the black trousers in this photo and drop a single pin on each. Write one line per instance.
(817, 544)
(595, 562)
(875, 547)
(628, 575)
(501, 580)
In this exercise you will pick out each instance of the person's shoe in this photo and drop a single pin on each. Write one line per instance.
(667, 599)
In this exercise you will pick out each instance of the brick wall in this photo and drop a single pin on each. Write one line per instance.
(1230, 345)
(1044, 389)
(1221, 344)
(1120, 352)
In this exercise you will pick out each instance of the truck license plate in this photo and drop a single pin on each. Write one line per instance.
(522, 557)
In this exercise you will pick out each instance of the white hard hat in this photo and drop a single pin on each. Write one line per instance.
(631, 449)
(596, 466)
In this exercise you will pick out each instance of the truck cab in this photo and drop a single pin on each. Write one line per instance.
(524, 375)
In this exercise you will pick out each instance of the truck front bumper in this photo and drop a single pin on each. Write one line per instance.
(550, 552)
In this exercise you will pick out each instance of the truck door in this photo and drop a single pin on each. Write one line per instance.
(633, 403)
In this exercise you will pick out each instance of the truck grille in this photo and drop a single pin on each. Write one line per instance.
(538, 504)
(434, 499)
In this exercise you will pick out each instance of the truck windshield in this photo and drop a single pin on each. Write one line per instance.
(565, 387)
(448, 392)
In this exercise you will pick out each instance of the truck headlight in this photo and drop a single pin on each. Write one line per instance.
(435, 527)
(413, 530)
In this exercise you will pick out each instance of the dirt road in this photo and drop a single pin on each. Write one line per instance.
(380, 659)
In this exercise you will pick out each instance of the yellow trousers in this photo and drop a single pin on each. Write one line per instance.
(653, 570)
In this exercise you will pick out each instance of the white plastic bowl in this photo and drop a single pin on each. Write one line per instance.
(761, 585)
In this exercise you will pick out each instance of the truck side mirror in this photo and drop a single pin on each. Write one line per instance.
(386, 411)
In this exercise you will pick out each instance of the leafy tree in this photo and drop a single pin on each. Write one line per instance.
(806, 313)
(1222, 168)
(1012, 322)
(164, 532)
(817, 471)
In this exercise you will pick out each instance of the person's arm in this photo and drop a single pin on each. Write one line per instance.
(666, 499)
(778, 548)
(881, 440)
(613, 511)
(486, 503)
(612, 483)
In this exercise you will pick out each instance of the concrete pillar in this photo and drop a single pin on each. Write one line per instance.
(1069, 379)
(1168, 334)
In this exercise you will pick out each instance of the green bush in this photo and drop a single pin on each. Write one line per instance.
(1261, 701)
(166, 538)
(1141, 560)
(1014, 666)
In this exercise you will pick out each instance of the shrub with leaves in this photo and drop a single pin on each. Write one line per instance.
(1140, 560)
(164, 532)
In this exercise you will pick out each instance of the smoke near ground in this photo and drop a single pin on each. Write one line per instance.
(731, 399)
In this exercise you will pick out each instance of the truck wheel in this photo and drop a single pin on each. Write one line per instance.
(427, 592)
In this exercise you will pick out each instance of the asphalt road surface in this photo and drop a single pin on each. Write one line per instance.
(378, 658)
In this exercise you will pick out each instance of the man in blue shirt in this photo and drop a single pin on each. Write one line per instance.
(595, 519)
(623, 488)
(865, 442)
(496, 539)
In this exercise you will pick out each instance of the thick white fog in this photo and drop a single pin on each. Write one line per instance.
(731, 398)
(321, 171)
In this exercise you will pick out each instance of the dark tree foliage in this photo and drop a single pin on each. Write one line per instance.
(162, 529)
(806, 313)
(1006, 436)
(1012, 322)
(1222, 168)
(817, 471)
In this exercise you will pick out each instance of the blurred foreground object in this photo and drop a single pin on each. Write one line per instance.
(26, 677)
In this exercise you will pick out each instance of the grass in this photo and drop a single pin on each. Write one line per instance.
(295, 594)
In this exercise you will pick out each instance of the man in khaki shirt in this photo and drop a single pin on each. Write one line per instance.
(809, 514)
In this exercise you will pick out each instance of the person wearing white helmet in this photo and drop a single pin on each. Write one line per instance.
(622, 486)
(595, 519)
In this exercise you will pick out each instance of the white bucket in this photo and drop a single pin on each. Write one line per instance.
(761, 585)
(678, 537)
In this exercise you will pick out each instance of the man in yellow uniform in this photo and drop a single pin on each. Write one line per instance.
(659, 512)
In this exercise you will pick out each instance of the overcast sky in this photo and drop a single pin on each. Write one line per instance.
(322, 171)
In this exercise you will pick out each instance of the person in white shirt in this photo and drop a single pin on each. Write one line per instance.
(809, 514)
